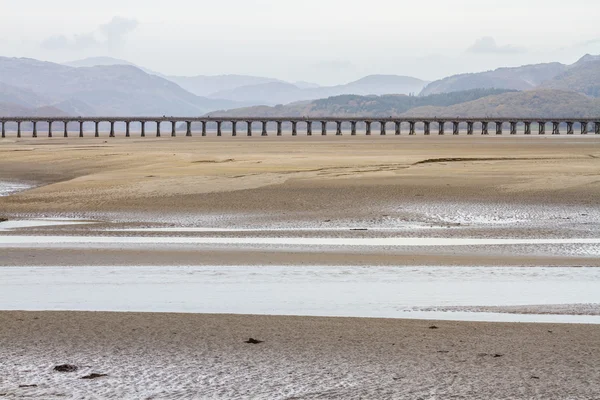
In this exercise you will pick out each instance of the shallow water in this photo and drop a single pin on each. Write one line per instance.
(566, 247)
(390, 292)
(8, 188)
(15, 240)
(38, 223)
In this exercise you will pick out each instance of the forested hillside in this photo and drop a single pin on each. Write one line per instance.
(350, 105)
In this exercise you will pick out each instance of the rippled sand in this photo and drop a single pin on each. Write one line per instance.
(174, 356)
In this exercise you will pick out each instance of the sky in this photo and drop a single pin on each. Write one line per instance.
(323, 41)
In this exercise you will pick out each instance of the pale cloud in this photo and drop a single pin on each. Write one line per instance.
(111, 35)
(487, 45)
(327, 41)
(117, 29)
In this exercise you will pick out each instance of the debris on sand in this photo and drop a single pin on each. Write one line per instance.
(94, 376)
(253, 341)
(27, 386)
(66, 368)
(497, 355)
(433, 327)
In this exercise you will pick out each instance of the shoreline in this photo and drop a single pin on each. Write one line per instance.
(340, 318)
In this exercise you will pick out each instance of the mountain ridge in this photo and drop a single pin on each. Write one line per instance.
(517, 78)
(107, 90)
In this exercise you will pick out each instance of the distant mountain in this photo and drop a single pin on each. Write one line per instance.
(266, 93)
(384, 84)
(11, 109)
(306, 85)
(108, 86)
(104, 90)
(587, 58)
(582, 77)
(538, 103)
(282, 93)
(519, 78)
(22, 97)
(354, 105)
(106, 61)
(202, 85)
(75, 107)
(256, 90)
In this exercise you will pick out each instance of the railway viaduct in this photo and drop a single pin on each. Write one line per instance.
(410, 126)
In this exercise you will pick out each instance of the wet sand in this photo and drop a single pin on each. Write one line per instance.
(241, 256)
(302, 182)
(163, 356)
(553, 183)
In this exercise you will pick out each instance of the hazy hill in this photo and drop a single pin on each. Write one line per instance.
(20, 96)
(255, 90)
(282, 93)
(538, 103)
(587, 58)
(97, 61)
(11, 109)
(384, 84)
(354, 105)
(105, 61)
(75, 107)
(107, 90)
(266, 93)
(583, 77)
(306, 85)
(202, 85)
(519, 78)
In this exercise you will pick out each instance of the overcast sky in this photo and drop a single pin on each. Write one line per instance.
(323, 41)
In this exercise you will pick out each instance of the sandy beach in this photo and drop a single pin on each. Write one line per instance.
(293, 189)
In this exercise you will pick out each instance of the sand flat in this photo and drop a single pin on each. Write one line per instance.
(456, 187)
(302, 176)
(204, 356)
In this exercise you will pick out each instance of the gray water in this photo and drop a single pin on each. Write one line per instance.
(8, 188)
(390, 292)
(581, 247)
(93, 241)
